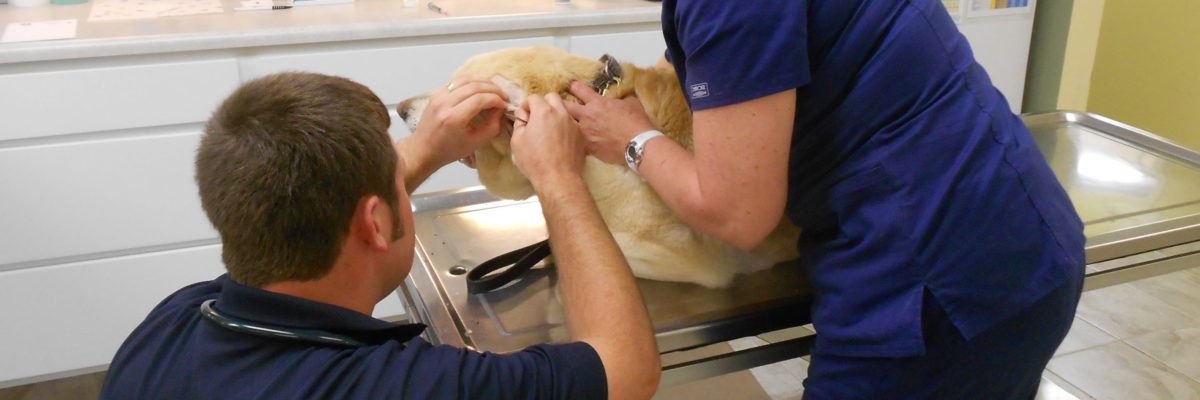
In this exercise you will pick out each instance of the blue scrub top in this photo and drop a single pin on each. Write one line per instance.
(177, 354)
(908, 172)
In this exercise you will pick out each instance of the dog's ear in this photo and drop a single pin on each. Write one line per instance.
(516, 96)
(515, 93)
(610, 74)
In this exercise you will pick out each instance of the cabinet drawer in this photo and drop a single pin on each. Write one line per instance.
(73, 316)
(87, 309)
(394, 73)
(84, 100)
(67, 200)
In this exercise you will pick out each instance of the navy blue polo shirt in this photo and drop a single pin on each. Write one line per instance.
(177, 354)
(908, 172)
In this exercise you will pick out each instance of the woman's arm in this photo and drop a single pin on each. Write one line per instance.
(734, 188)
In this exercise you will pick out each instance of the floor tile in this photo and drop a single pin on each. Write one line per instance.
(1124, 311)
(1180, 289)
(781, 380)
(85, 386)
(1051, 391)
(1178, 349)
(1083, 335)
(1067, 386)
(1118, 371)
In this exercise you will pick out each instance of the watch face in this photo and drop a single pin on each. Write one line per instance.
(631, 153)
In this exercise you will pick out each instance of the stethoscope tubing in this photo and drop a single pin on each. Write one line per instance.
(274, 332)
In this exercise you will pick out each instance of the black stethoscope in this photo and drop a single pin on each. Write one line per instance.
(275, 332)
(479, 280)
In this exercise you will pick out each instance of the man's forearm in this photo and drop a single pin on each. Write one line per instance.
(603, 304)
(418, 161)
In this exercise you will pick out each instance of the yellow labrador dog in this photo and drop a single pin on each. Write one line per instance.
(657, 244)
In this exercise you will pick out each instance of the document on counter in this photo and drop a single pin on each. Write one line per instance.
(115, 10)
(40, 30)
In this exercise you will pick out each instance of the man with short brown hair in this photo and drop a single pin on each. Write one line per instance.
(307, 144)
(298, 175)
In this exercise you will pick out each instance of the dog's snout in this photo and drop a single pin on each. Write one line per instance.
(403, 109)
(410, 110)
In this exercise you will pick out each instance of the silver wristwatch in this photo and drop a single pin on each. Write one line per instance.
(636, 147)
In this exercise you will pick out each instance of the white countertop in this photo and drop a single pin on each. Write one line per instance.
(363, 19)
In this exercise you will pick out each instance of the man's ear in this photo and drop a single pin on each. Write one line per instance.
(372, 222)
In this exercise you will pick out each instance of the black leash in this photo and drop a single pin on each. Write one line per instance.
(521, 260)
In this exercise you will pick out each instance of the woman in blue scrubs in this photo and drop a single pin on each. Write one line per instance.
(946, 258)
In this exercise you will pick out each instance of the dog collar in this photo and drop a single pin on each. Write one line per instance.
(609, 76)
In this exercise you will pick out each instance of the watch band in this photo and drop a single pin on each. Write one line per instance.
(636, 148)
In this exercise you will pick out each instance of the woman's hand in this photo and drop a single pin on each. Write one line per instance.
(608, 124)
(549, 146)
(460, 117)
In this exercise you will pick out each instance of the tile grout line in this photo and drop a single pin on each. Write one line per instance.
(1155, 359)
(1195, 318)
(1115, 339)
(1085, 319)
(1071, 387)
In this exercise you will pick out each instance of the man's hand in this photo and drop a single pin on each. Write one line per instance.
(460, 117)
(603, 305)
(549, 146)
(608, 124)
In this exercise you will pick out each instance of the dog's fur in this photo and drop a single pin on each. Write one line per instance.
(657, 244)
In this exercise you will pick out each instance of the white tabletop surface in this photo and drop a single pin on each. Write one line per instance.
(363, 19)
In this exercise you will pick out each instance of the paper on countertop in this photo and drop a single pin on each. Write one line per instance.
(41, 30)
(113, 10)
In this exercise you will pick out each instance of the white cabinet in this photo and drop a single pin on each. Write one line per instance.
(75, 316)
(99, 196)
(643, 48)
(393, 73)
(38, 102)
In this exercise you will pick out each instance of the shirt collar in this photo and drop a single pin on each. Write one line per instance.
(276, 309)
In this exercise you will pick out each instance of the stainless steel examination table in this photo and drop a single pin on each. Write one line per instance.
(1138, 195)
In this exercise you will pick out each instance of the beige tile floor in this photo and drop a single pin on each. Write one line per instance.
(1138, 340)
